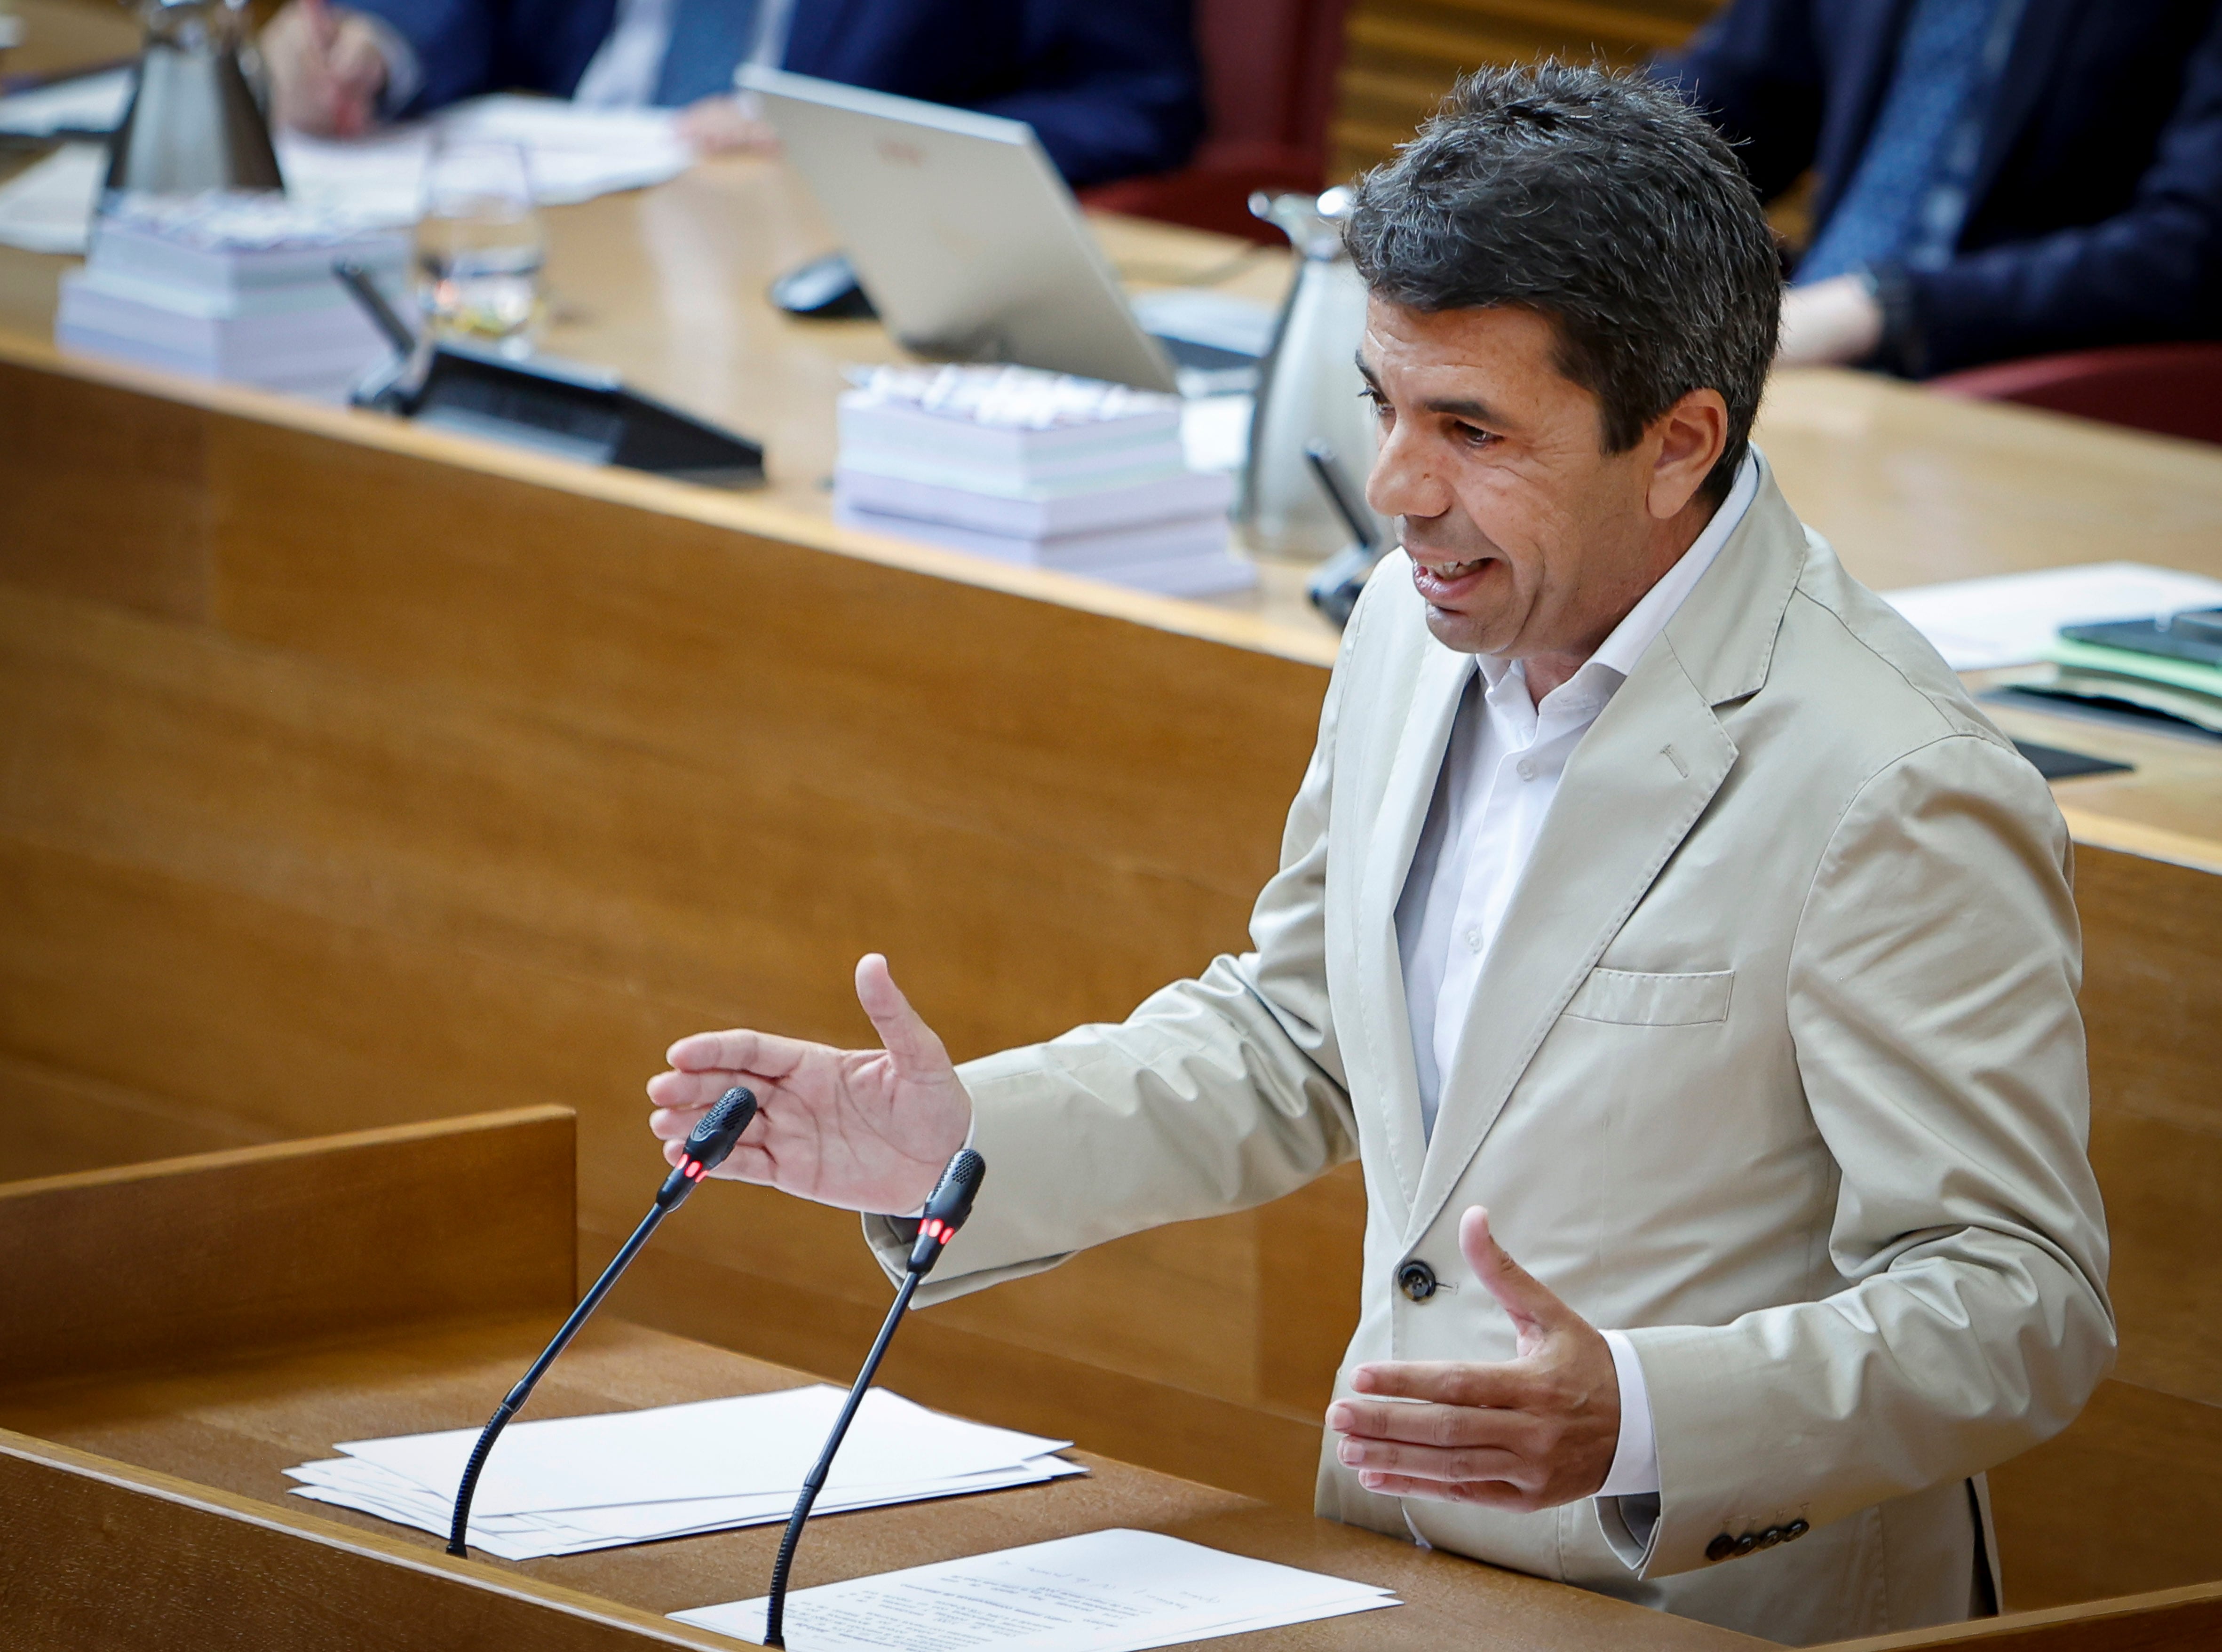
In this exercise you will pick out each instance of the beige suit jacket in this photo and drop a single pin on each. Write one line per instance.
(1775, 1065)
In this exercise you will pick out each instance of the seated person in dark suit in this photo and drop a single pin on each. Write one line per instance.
(1112, 89)
(1997, 178)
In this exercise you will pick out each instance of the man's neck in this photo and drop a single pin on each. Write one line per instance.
(1670, 543)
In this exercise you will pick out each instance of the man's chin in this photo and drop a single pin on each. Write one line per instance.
(1462, 633)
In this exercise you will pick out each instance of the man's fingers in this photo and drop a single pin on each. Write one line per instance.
(1439, 1467)
(1493, 1494)
(1429, 1425)
(1532, 1305)
(737, 1050)
(1446, 1383)
(917, 1051)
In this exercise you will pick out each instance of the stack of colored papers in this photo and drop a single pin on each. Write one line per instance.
(1115, 1591)
(574, 1484)
(2124, 663)
(1038, 468)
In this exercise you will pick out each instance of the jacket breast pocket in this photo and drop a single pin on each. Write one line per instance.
(1631, 998)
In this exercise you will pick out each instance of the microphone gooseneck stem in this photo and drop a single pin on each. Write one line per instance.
(516, 1397)
(815, 1482)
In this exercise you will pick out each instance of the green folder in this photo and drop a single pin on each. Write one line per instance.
(2127, 662)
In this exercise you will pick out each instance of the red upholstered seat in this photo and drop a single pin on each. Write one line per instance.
(2172, 389)
(1269, 69)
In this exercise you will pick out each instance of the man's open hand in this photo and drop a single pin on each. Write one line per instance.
(1530, 1433)
(864, 1129)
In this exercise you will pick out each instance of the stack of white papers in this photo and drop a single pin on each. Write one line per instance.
(1039, 468)
(1115, 1591)
(237, 287)
(2013, 618)
(374, 183)
(574, 1484)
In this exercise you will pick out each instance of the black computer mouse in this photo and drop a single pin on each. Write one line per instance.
(824, 289)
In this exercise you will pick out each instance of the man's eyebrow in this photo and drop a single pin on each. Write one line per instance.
(1480, 413)
(1456, 408)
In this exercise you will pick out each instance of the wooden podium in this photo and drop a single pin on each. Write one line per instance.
(178, 1333)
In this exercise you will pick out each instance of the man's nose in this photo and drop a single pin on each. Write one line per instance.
(1401, 483)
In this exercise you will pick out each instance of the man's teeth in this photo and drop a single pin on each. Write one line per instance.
(1453, 570)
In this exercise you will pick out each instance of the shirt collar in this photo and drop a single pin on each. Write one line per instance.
(1624, 647)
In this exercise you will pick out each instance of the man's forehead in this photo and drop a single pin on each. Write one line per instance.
(1460, 359)
(1482, 335)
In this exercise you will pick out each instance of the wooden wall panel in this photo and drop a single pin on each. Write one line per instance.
(2152, 996)
(772, 662)
(67, 527)
(2123, 1501)
(126, 1560)
(2130, 1497)
(233, 1253)
(1401, 56)
(57, 1120)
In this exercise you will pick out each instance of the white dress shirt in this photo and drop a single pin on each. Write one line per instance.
(1492, 803)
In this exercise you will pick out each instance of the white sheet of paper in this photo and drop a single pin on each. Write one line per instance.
(88, 102)
(1114, 1590)
(374, 183)
(752, 1444)
(2009, 618)
(47, 208)
(351, 1483)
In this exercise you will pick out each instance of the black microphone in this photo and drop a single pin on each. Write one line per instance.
(707, 1145)
(944, 1214)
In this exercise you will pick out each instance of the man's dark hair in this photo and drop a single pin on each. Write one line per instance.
(1604, 203)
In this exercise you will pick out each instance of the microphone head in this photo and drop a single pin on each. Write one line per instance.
(960, 1184)
(715, 1132)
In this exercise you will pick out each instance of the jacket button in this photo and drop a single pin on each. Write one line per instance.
(1794, 1530)
(1721, 1548)
(1417, 1280)
(1771, 1536)
(1745, 1543)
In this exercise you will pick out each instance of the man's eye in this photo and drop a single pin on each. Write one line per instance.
(1473, 435)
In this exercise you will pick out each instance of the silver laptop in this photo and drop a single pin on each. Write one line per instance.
(961, 229)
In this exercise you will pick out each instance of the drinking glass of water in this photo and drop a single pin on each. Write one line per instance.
(479, 245)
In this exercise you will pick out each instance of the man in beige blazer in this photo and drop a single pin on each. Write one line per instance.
(1657, 910)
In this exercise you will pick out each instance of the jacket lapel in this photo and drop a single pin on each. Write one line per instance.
(1406, 795)
(1636, 784)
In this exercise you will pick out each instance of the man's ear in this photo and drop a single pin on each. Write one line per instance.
(1691, 437)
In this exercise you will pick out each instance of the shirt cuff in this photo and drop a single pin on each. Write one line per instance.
(1635, 1470)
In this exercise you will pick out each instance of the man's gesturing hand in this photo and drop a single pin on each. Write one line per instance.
(865, 1129)
(1530, 1433)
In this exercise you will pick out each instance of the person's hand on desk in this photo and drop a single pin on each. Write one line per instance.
(326, 69)
(1530, 1433)
(726, 126)
(865, 1129)
(1835, 322)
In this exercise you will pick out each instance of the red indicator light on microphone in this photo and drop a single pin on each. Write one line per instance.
(692, 1170)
